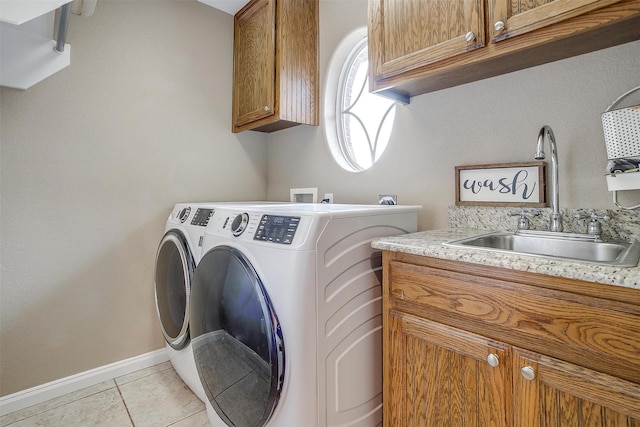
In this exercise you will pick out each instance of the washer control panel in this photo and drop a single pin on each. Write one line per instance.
(277, 229)
(239, 224)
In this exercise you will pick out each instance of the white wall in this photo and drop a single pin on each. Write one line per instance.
(490, 121)
(92, 161)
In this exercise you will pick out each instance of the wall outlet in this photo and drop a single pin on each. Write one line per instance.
(387, 199)
(328, 198)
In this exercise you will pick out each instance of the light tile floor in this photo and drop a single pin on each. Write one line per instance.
(151, 397)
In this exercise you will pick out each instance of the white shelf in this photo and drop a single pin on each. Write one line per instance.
(27, 51)
(623, 181)
(17, 12)
(26, 59)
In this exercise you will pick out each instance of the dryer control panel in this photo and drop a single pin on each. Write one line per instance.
(202, 217)
(286, 230)
(277, 228)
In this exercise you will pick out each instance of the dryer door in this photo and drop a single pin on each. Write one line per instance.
(174, 270)
(236, 339)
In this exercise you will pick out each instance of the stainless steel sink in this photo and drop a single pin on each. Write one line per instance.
(577, 247)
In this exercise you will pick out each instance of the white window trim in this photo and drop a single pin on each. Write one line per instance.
(339, 71)
(334, 71)
(339, 95)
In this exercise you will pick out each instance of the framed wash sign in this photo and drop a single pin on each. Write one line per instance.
(503, 184)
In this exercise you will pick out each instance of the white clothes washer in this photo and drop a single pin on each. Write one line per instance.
(286, 320)
(178, 254)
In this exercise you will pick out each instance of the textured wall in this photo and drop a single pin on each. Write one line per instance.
(490, 121)
(92, 161)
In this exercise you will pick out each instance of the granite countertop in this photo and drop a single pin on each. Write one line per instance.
(429, 243)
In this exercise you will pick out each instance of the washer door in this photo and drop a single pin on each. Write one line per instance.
(174, 270)
(236, 339)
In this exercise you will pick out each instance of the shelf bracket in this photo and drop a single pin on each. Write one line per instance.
(63, 25)
(615, 200)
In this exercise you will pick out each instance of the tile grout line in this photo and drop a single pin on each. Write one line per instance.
(139, 378)
(186, 417)
(57, 406)
(125, 405)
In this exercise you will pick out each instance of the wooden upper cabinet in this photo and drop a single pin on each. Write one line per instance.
(408, 34)
(510, 18)
(275, 65)
(418, 46)
(254, 64)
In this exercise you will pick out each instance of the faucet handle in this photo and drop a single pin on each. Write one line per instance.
(593, 228)
(582, 215)
(523, 221)
(592, 216)
(594, 224)
(595, 217)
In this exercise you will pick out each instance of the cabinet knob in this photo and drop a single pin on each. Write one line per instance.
(470, 36)
(267, 108)
(528, 373)
(499, 26)
(493, 360)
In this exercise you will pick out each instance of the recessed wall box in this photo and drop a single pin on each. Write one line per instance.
(303, 195)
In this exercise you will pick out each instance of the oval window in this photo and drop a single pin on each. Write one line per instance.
(358, 124)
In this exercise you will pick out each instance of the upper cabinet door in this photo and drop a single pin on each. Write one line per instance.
(407, 34)
(509, 18)
(275, 66)
(254, 67)
(419, 46)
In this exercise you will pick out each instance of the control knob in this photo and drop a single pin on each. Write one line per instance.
(183, 215)
(239, 224)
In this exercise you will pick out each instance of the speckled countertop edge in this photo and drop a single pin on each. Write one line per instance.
(429, 243)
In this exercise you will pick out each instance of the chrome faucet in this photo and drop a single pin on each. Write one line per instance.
(555, 222)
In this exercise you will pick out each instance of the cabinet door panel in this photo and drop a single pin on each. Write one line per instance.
(439, 376)
(407, 34)
(517, 314)
(563, 394)
(523, 16)
(394, 392)
(254, 63)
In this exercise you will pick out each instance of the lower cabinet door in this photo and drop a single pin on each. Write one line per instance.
(436, 375)
(551, 392)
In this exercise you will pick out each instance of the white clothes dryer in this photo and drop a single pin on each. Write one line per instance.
(178, 254)
(286, 316)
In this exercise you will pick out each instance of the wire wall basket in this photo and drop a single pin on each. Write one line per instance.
(621, 128)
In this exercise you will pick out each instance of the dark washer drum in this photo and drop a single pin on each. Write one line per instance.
(236, 339)
(175, 267)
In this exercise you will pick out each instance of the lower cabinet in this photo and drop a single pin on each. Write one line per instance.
(464, 349)
(439, 376)
(552, 392)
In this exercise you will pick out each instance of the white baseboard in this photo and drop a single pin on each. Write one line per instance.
(32, 396)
